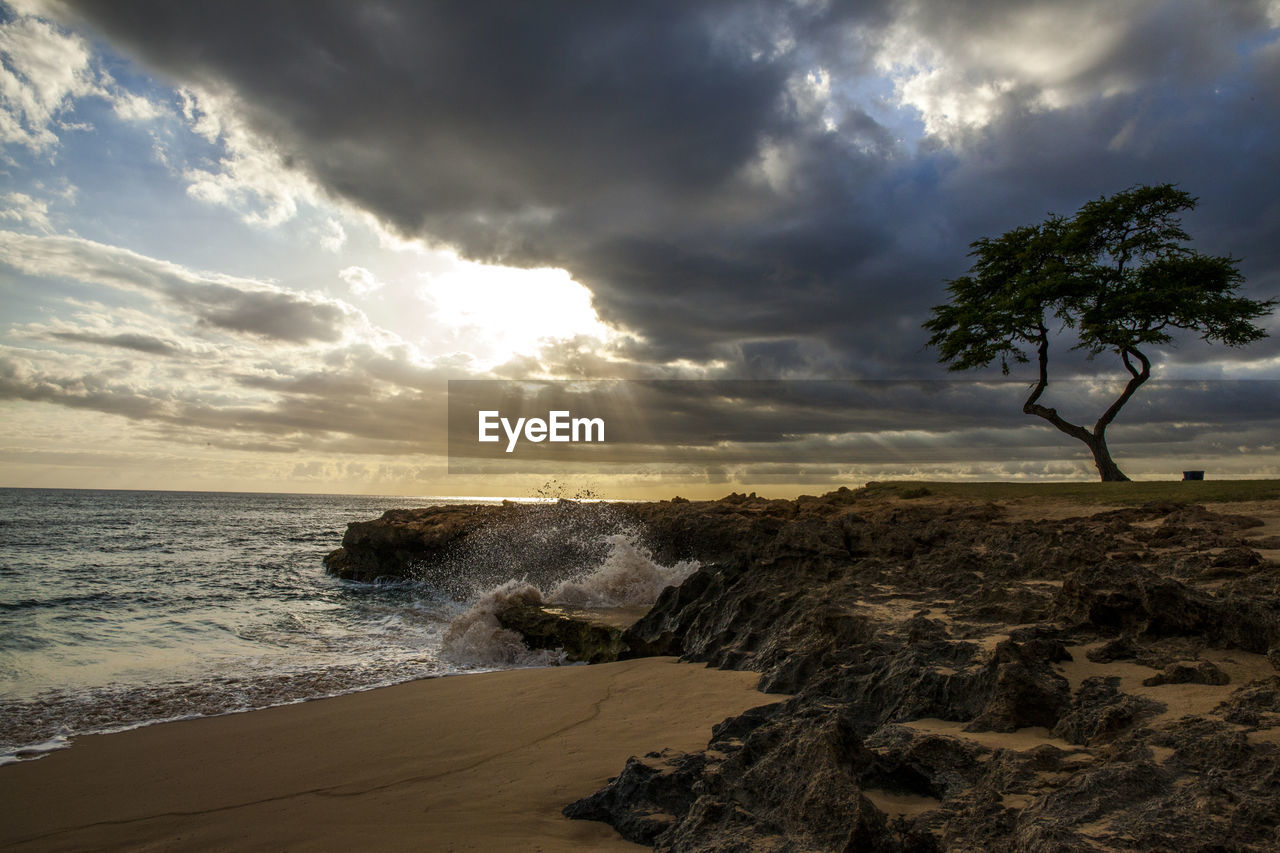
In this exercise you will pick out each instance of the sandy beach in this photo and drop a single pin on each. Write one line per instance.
(471, 762)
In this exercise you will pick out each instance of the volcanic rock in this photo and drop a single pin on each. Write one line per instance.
(949, 677)
(580, 639)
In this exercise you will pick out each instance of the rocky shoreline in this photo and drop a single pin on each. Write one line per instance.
(961, 678)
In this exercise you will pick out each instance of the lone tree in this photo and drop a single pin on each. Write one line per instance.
(1117, 273)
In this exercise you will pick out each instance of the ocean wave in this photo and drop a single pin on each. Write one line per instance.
(240, 614)
(30, 728)
(627, 576)
(475, 639)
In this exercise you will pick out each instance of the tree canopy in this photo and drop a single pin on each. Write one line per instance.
(1118, 273)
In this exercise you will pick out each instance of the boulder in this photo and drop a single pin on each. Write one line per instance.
(581, 639)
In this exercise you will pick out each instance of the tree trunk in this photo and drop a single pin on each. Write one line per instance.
(1108, 470)
(1094, 439)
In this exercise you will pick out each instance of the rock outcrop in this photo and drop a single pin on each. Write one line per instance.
(951, 679)
(582, 640)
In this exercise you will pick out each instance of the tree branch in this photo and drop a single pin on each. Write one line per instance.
(1128, 365)
(1031, 407)
(1138, 377)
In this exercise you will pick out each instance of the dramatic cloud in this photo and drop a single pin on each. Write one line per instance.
(271, 228)
(733, 179)
(251, 177)
(349, 399)
(964, 64)
(213, 360)
(797, 422)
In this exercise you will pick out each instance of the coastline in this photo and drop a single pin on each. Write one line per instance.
(962, 674)
(474, 762)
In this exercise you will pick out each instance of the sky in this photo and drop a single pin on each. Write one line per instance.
(245, 246)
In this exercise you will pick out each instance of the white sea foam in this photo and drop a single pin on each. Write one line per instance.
(476, 639)
(33, 751)
(628, 576)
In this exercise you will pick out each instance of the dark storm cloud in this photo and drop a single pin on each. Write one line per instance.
(428, 110)
(668, 155)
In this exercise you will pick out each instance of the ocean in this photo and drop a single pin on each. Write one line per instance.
(125, 608)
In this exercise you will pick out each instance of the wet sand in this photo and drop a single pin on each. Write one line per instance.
(473, 762)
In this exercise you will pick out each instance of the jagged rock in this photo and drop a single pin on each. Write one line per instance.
(1236, 557)
(1053, 822)
(389, 547)
(1121, 648)
(920, 629)
(911, 761)
(580, 639)
(1255, 705)
(1226, 790)
(876, 613)
(1198, 672)
(1025, 690)
(487, 544)
(1133, 600)
(819, 808)
(647, 797)
(1101, 713)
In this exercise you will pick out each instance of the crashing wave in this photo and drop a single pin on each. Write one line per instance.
(628, 576)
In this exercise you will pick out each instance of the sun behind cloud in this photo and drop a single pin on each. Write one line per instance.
(506, 312)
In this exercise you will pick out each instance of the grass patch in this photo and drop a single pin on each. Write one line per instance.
(914, 492)
(1139, 492)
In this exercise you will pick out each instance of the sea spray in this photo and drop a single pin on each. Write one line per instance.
(627, 576)
(476, 639)
(543, 544)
